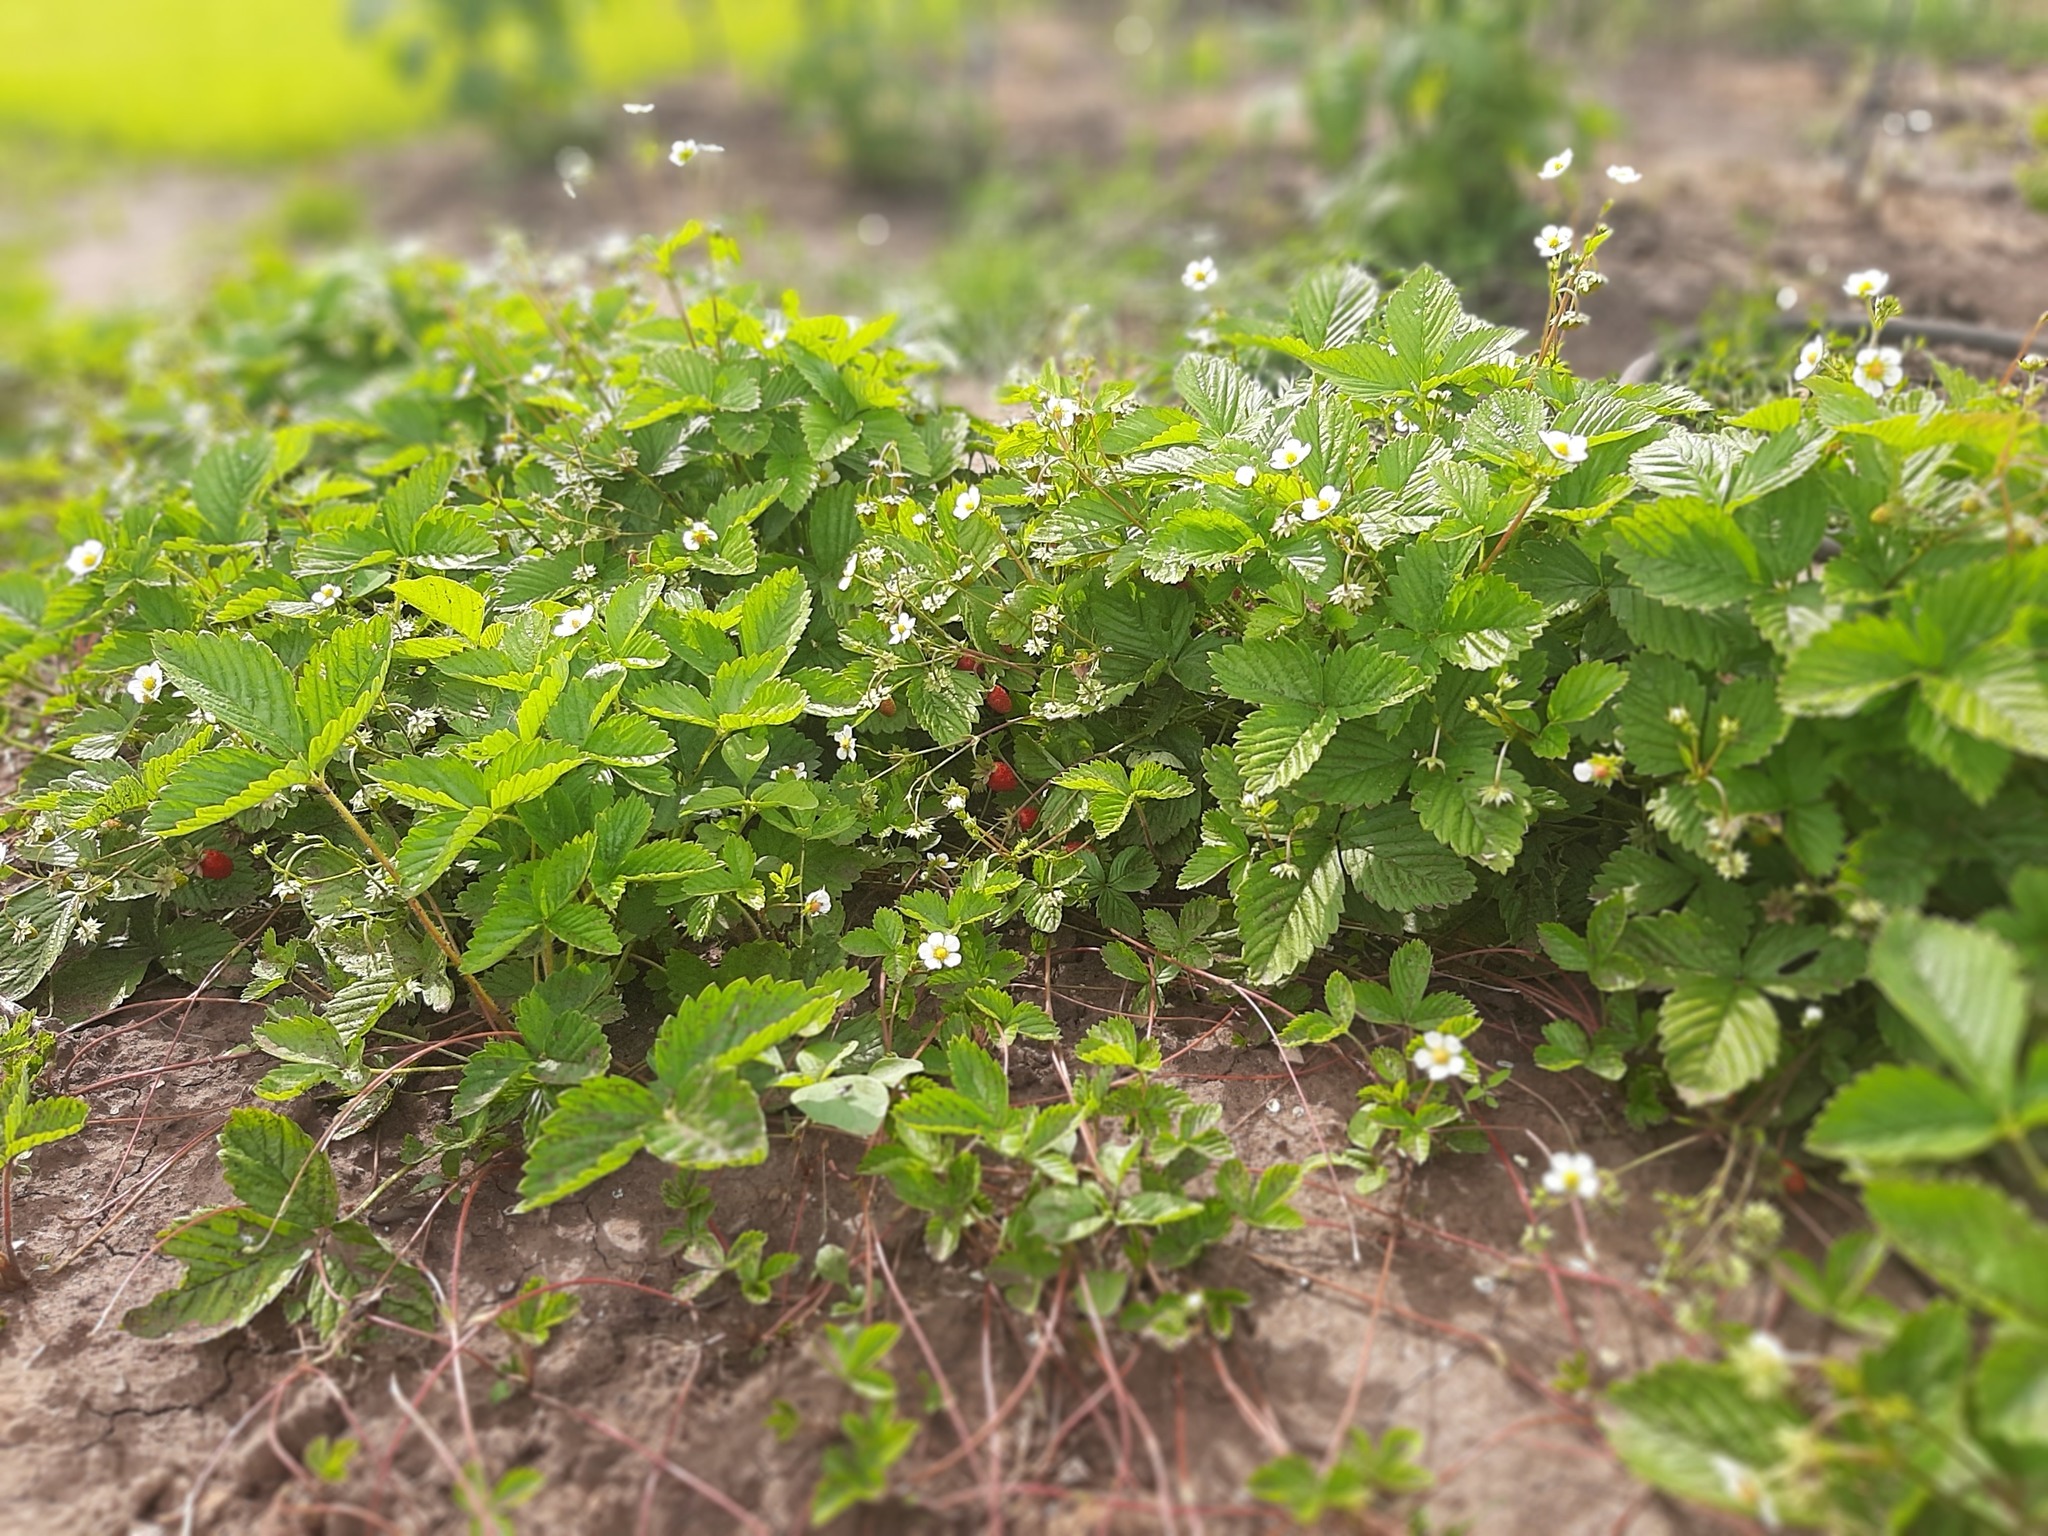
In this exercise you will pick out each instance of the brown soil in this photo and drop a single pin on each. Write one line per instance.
(1440, 1321)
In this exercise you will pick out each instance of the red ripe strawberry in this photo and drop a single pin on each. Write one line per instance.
(215, 865)
(1027, 817)
(1075, 844)
(1002, 778)
(998, 699)
(888, 707)
(968, 662)
(1792, 1180)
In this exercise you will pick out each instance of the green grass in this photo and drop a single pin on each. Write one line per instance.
(251, 80)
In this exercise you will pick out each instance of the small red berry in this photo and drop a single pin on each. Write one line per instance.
(1793, 1180)
(968, 662)
(1076, 844)
(215, 865)
(1027, 817)
(888, 707)
(998, 699)
(1002, 778)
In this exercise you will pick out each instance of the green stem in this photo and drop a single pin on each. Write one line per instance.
(12, 1276)
(432, 929)
(2029, 1158)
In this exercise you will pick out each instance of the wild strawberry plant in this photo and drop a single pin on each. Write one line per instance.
(548, 650)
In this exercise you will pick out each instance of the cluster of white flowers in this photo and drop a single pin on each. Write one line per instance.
(1044, 622)
(940, 951)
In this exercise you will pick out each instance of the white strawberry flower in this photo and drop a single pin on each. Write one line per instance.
(574, 621)
(1060, 411)
(1572, 1175)
(1811, 357)
(1440, 1055)
(1246, 474)
(843, 740)
(147, 685)
(1200, 274)
(901, 628)
(940, 951)
(86, 557)
(328, 595)
(1554, 241)
(1565, 447)
(683, 151)
(1321, 505)
(1867, 284)
(956, 801)
(1290, 454)
(1624, 175)
(698, 535)
(1556, 165)
(1878, 370)
(967, 503)
(818, 903)
(639, 108)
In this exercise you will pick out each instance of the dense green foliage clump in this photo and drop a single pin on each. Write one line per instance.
(433, 647)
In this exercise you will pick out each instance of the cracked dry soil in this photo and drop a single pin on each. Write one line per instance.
(640, 1404)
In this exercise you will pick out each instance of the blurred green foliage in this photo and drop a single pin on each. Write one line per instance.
(897, 87)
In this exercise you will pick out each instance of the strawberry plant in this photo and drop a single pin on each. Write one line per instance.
(26, 1122)
(548, 659)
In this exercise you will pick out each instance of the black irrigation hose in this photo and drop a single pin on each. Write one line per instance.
(1952, 333)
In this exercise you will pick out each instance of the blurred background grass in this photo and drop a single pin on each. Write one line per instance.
(1017, 175)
